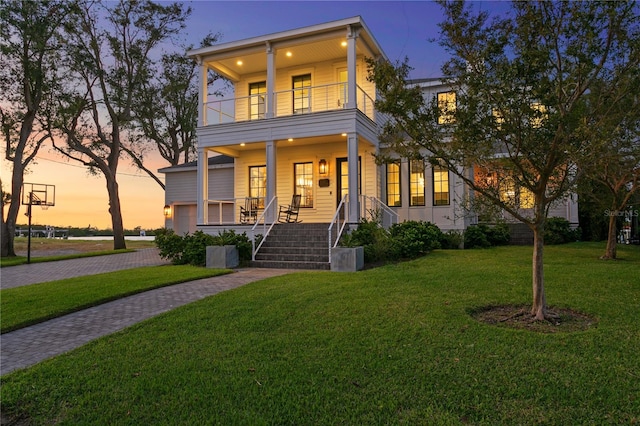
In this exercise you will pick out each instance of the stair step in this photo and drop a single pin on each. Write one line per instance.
(291, 265)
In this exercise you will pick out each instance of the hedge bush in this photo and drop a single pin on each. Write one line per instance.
(558, 231)
(483, 236)
(192, 248)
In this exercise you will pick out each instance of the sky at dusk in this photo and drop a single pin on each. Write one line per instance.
(402, 29)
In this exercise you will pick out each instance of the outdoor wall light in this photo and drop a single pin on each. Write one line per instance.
(167, 211)
(323, 167)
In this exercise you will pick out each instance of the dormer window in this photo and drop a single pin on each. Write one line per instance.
(447, 106)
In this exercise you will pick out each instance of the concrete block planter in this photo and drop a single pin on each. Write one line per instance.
(347, 259)
(223, 257)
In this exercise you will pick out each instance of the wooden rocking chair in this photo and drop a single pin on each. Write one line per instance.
(249, 213)
(289, 213)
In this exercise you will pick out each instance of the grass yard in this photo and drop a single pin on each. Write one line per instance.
(391, 345)
(51, 249)
(28, 305)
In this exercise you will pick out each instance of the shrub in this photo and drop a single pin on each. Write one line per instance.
(192, 249)
(416, 238)
(451, 239)
(483, 236)
(498, 235)
(170, 245)
(558, 231)
(476, 237)
(376, 242)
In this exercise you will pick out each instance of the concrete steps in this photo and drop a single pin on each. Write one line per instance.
(295, 246)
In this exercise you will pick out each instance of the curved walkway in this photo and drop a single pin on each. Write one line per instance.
(28, 346)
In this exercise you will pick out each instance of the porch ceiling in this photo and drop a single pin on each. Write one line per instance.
(237, 149)
(302, 53)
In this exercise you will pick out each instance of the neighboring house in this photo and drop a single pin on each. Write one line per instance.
(301, 121)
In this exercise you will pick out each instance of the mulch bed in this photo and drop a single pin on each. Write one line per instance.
(561, 320)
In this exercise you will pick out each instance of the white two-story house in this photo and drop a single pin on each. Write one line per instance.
(301, 122)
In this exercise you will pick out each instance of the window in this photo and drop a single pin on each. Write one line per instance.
(303, 178)
(440, 185)
(301, 94)
(258, 183)
(539, 114)
(515, 195)
(416, 183)
(393, 185)
(342, 87)
(447, 106)
(257, 100)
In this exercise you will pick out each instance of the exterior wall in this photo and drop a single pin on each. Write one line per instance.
(325, 199)
(326, 94)
(452, 216)
(181, 195)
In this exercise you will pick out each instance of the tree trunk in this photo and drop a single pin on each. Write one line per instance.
(9, 227)
(610, 251)
(539, 308)
(116, 214)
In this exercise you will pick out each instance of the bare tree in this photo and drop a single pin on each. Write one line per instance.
(166, 111)
(522, 83)
(29, 47)
(109, 57)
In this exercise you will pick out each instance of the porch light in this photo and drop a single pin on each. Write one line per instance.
(239, 62)
(343, 44)
(289, 54)
(167, 211)
(323, 167)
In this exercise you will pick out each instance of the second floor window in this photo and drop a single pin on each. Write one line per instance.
(303, 178)
(393, 185)
(416, 183)
(257, 100)
(447, 106)
(258, 183)
(301, 94)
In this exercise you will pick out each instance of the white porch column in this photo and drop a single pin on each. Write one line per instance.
(353, 196)
(271, 78)
(202, 93)
(272, 170)
(203, 187)
(352, 36)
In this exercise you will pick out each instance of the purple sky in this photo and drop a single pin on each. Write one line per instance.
(402, 28)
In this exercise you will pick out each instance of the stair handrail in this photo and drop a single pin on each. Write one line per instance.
(263, 221)
(388, 216)
(344, 205)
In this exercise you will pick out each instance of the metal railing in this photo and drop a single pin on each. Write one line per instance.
(342, 213)
(371, 208)
(266, 221)
(297, 101)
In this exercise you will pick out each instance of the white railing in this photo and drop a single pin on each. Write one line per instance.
(299, 101)
(265, 221)
(339, 221)
(371, 208)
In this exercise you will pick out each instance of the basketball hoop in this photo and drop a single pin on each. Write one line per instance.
(36, 194)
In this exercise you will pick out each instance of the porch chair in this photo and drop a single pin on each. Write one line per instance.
(289, 213)
(249, 213)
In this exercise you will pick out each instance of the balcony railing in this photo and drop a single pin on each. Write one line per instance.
(305, 100)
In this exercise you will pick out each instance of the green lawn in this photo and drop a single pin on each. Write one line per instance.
(27, 305)
(391, 345)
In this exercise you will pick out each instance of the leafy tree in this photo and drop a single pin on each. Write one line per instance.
(30, 38)
(109, 56)
(166, 111)
(522, 82)
(614, 161)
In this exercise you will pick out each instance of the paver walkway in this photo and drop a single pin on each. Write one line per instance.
(30, 345)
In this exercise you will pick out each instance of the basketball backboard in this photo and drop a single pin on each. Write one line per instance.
(38, 194)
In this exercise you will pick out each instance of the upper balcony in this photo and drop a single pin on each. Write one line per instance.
(298, 72)
(311, 99)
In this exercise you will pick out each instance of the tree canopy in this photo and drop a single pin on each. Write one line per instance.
(519, 125)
